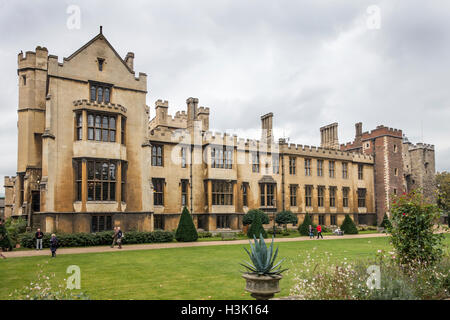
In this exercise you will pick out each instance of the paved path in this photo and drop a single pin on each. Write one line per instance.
(150, 246)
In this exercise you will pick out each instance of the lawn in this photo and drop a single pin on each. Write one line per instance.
(178, 273)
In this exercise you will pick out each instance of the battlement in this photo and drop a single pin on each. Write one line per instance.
(203, 110)
(9, 182)
(313, 151)
(161, 103)
(33, 59)
(382, 130)
(87, 103)
(420, 145)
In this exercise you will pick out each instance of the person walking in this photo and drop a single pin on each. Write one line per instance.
(311, 232)
(319, 231)
(119, 237)
(53, 245)
(114, 237)
(39, 236)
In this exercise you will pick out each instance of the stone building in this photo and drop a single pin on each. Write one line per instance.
(91, 157)
(419, 168)
(399, 166)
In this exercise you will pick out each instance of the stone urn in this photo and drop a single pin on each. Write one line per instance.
(262, 287)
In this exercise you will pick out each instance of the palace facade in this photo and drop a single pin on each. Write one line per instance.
(90, 157)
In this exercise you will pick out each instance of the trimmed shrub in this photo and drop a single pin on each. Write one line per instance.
(205, 234)
(386, 223)
(285, 217)
(303, 229)
(348, 226)
(27, 240)
(256, 229)
(186, 231)
(250, 216)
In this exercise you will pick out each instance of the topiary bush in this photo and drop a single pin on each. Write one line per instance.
(348, 226)
(412, 230)
(186, 231)
(285, 217)
(250, 216)
(386, 223)
(303, 229)
(256, 229)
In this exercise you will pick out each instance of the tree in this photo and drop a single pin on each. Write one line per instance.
(303, 229)
(412, 230)
(186, 231)
(250, 216)
(285, 217)
(348, 226)
(386, 223)
(256, 229)
(443, 189)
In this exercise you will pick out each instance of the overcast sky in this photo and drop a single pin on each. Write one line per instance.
(311, 63)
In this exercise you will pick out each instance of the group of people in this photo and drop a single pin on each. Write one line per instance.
(39, 235)
(319, 232)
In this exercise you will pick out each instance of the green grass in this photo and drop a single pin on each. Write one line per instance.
(177, 273)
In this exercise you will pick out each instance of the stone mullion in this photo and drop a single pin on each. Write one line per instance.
(83, 184)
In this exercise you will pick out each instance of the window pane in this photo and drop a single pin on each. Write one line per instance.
(98, 134)
(91, 134)
(112, 136)
(107, 95)
(105, 122)
(112, 171)
(98, 169)
(105, 171)
(105, 191)
(90, 191)
(98, 121)
(105, 135)
(93, 91)
(98, 191)
(112, 122)
(100, 94)
(90, 170)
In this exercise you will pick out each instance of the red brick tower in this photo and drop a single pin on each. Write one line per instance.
(385, 145)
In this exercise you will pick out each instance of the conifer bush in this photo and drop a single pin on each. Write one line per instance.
(186, 231)
(256, 229)
(303, 229)
(348, 226)
(386, 223)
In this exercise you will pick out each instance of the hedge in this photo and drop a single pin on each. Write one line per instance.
(28, 240)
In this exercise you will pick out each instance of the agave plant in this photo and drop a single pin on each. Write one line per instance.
(263, 258)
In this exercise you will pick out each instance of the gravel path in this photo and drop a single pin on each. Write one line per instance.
(150, 246)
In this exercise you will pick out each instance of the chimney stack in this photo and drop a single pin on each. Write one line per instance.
(266, 127)
(329, 136)
(129, 60)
